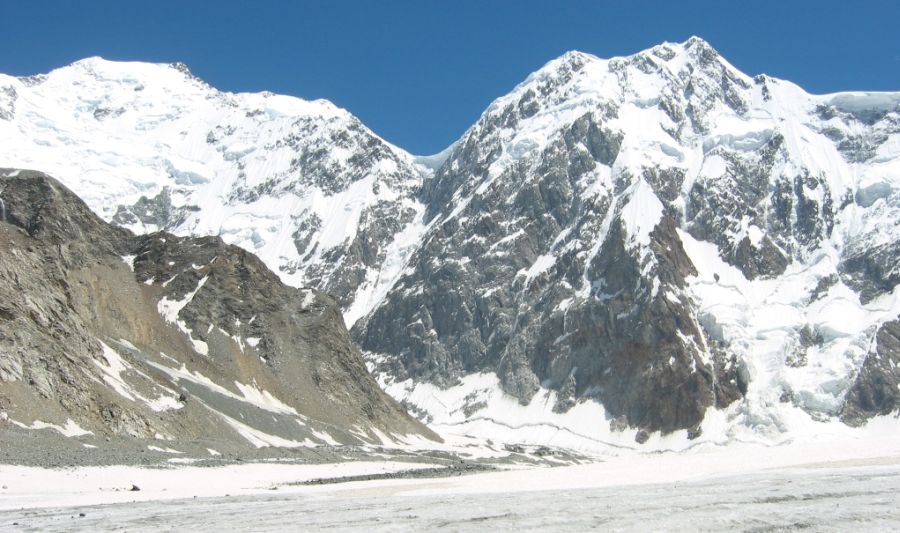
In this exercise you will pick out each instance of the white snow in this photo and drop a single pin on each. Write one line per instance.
(169, 309)
(258, 438)
(853, 102)
(761, 321)
(638, 469)
(248, 393)
(432, 162)
(841, 484)
(380, 281)
(497, 417)
(325, 437)
(308, 298)
(503, 419)
(69, 429)
(129, 260)
(542, 264)
(264, 399)
(641, 213)
(43, 488)
(163, 450)
(114, 372)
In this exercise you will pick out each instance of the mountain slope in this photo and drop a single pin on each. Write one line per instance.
(304, 185)
(187, 341)
(660, 234)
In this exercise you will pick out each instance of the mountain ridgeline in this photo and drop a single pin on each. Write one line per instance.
(659, 236)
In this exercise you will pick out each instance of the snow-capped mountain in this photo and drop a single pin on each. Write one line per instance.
(304, 185)
(662, 234)
(617, 250)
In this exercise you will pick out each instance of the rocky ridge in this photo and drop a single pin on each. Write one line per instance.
(176, 341)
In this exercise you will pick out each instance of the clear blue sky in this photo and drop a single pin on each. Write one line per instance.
(420, 72)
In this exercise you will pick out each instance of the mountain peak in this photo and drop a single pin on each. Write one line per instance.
(128, 72)
(91, 314)
(696, 47)
(89, 62)
(575, 58)
(697, 42)
(594, 73)
(94, 63)
(678, 76)
(701, 51)
(562, 67)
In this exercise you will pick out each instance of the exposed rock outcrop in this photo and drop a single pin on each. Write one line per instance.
(875, 391)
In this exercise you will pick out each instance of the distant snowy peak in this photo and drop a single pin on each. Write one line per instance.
(690, 82)
(178, 130)
(303, 184)
(97, 79)
(651, 99)
(577, 79)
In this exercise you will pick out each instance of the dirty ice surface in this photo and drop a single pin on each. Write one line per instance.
(833, 485)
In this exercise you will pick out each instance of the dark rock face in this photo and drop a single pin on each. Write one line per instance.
(639, 351)
(45, 210)
(610, 322)
(159, 335)
(875, 390)
(872, 270)
(155, 212)
(344, 269)
(793, 215)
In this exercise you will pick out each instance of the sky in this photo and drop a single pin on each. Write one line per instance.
(419, 73)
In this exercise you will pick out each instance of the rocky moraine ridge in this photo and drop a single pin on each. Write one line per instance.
(182, 341)
(658, 235)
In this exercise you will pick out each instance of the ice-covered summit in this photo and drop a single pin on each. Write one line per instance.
(303, 184)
